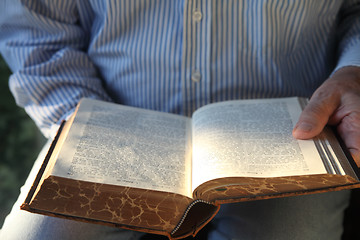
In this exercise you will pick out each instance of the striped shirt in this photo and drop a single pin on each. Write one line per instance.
(171, 55)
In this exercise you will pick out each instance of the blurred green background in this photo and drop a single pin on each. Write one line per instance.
(20, 142)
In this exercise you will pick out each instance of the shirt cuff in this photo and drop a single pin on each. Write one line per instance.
(349, 57)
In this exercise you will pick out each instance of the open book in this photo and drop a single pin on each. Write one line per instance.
(168, 174)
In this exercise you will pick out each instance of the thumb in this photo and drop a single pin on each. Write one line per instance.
(314, 117)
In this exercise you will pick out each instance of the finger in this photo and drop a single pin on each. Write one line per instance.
(348, 130)
(316, 115)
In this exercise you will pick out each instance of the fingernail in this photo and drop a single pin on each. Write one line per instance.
(304, 127)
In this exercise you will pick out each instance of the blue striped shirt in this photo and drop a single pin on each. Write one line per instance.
(171, 55)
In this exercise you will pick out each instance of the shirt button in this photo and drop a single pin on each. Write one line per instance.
(196, 76)
(197, 15)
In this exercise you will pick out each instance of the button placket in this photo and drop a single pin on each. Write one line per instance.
(196, 54)
(197, 16)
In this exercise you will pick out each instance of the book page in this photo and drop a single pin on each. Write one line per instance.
(250, 138)
(115, 144)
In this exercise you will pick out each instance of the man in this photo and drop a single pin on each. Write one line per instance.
(176, 56)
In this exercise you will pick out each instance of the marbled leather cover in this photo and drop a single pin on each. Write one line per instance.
(237, 189)
(160, 212)
(132, 208)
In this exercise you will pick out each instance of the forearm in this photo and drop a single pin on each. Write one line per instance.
(348, 35)
(336, 101)
(51, 71)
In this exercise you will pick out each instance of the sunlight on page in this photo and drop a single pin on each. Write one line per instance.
(250, 139)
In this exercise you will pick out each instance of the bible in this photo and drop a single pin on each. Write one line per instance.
(168, 174)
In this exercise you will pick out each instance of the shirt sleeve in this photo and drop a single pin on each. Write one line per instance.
(348, 33)
(45, 47)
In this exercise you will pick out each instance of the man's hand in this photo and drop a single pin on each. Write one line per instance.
(336, 102)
